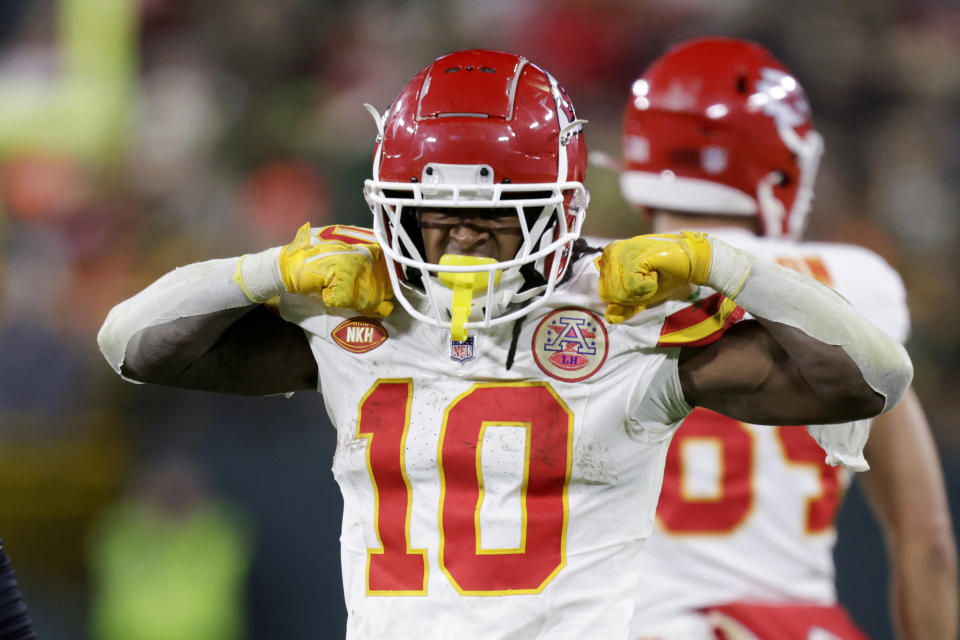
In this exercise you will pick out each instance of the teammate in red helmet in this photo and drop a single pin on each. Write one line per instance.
(718, 137)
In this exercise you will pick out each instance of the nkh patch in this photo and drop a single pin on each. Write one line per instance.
(462, 350)
(570, 344)
(359, 335)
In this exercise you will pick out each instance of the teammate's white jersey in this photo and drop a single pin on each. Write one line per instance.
(482, 502)
(747, 512)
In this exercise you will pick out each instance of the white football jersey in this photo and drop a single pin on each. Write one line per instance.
(487, 502)
(747, 512)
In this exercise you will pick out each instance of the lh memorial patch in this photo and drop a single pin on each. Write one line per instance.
(570, 344)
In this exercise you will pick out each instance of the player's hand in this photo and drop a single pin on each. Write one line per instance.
(350, 276)
(644, 270)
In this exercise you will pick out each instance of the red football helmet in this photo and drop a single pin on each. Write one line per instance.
(482, 129)
(720, 126)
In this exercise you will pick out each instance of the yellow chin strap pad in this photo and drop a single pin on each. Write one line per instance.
(464, 285)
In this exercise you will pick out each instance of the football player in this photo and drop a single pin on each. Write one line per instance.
(502, 431)
(717, 136)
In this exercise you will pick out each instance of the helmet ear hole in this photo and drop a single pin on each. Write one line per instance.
(685, 156)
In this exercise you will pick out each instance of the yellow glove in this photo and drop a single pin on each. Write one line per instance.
(350, 276)
(644, 270)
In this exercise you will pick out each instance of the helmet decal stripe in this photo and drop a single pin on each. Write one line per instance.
(512, 96)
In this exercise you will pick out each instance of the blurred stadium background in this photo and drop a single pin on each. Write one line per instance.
(137, 135)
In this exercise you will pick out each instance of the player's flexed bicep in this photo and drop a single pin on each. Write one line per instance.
(204, 327)
(810, 357)
(771, 373)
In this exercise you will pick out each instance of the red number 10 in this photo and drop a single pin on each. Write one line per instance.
(397, 569)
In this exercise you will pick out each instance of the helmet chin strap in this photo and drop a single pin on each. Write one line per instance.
(464, 285)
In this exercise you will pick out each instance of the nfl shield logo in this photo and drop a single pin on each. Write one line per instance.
(462, 350)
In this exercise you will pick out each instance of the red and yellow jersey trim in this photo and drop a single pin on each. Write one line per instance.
(700, 324)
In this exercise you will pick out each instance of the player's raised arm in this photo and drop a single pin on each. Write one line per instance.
(809, 358)
(203, 326)
(906, 492)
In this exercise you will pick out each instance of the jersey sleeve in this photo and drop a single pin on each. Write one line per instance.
(699, 323)
(843, 443)
(314, 318)
(656, 405)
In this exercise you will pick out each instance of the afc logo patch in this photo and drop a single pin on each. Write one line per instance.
(570, 344)
(359, 335)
